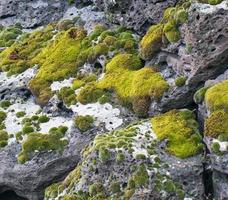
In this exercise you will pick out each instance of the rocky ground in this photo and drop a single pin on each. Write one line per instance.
(107, 99)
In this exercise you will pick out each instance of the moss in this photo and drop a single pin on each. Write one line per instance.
(67, 95)
(5, 104)
(216, 97)
(114, 187)
(141, 176)
(200, 94)
(181, 130)
(17, 58)
(129, 83)
(104, 99)
(52, 191)
(120, 157)
(2, 116)
(140, 157)
(171, 31)
(180, 81)
(223, 137)
(84, 123)
(95, 189)
(216, 124)
(151, 42)
(141, 105)
(104, 155)
(40, 142)
(89, 94)
(3, 138)
(216, 147)
(65, 25)
(43, 119)
(211, 2)
(20, 114)
(27, 129)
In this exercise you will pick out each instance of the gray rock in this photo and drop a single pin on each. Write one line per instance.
(135, 14)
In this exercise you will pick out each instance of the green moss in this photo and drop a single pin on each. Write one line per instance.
(90, 94)
(67, 95)
(114, 187)
(200, 94)
(43, 119)
(216, 97)
(40, 142)
(141, 176)
(171, 32)
(216, 147)
(20, 114)
(52, 191)
(180, 81)
(5, 104)
(151, 42)
(84, 123)
(223, 137)
(17, 58)
(120, 157)
(216, 124)
(2, 116)
(104, 99)
(181, 130)
(95, 189)
(27, 129)
(129, 83)
(3, 138)
(104, 155)
(140, 157)
(212, 2)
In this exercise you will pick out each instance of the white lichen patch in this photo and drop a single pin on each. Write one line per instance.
(207, 8)
(103, 113)
(17, 80)
(141, 140)
(57, 85)
(12, 122)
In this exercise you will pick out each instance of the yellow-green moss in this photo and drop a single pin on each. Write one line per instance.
(40, 142)
(180, 81)
(84, 123)
(181, 130)
(212, 2)
(216, 124)
(216, 97)
(152, 41)
(67, 95)
(124, 76)
(17, 58)
(3, 138)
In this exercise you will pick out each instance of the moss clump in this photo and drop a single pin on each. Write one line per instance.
(8, 35)
(84, 123)
(67, 95)
(216, 97)
(216, 124)
(151, 42)
(120, 157)
(20, 114)
(180, 81)
(5, 104)
(17, 58)
(3, 138)
(141, 176)
(43, 119)
(40, 142)
(114, 187)
(211, 2)
(181, 130)
(27, 129)
(216, 147)
(200, 94)
(104, 154)
(95, 189)
(125, 76)
(90, 94)
(83, 80)
(2, 116)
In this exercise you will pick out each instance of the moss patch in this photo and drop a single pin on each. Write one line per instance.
(181, 130)
(125, 75)
(84, 123)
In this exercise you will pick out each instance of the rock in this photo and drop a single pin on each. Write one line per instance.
(31, 14)
(134, 14)
(218, 161)
(202, 54)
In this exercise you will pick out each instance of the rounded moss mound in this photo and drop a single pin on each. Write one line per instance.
(181, 130)
(84, 123)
